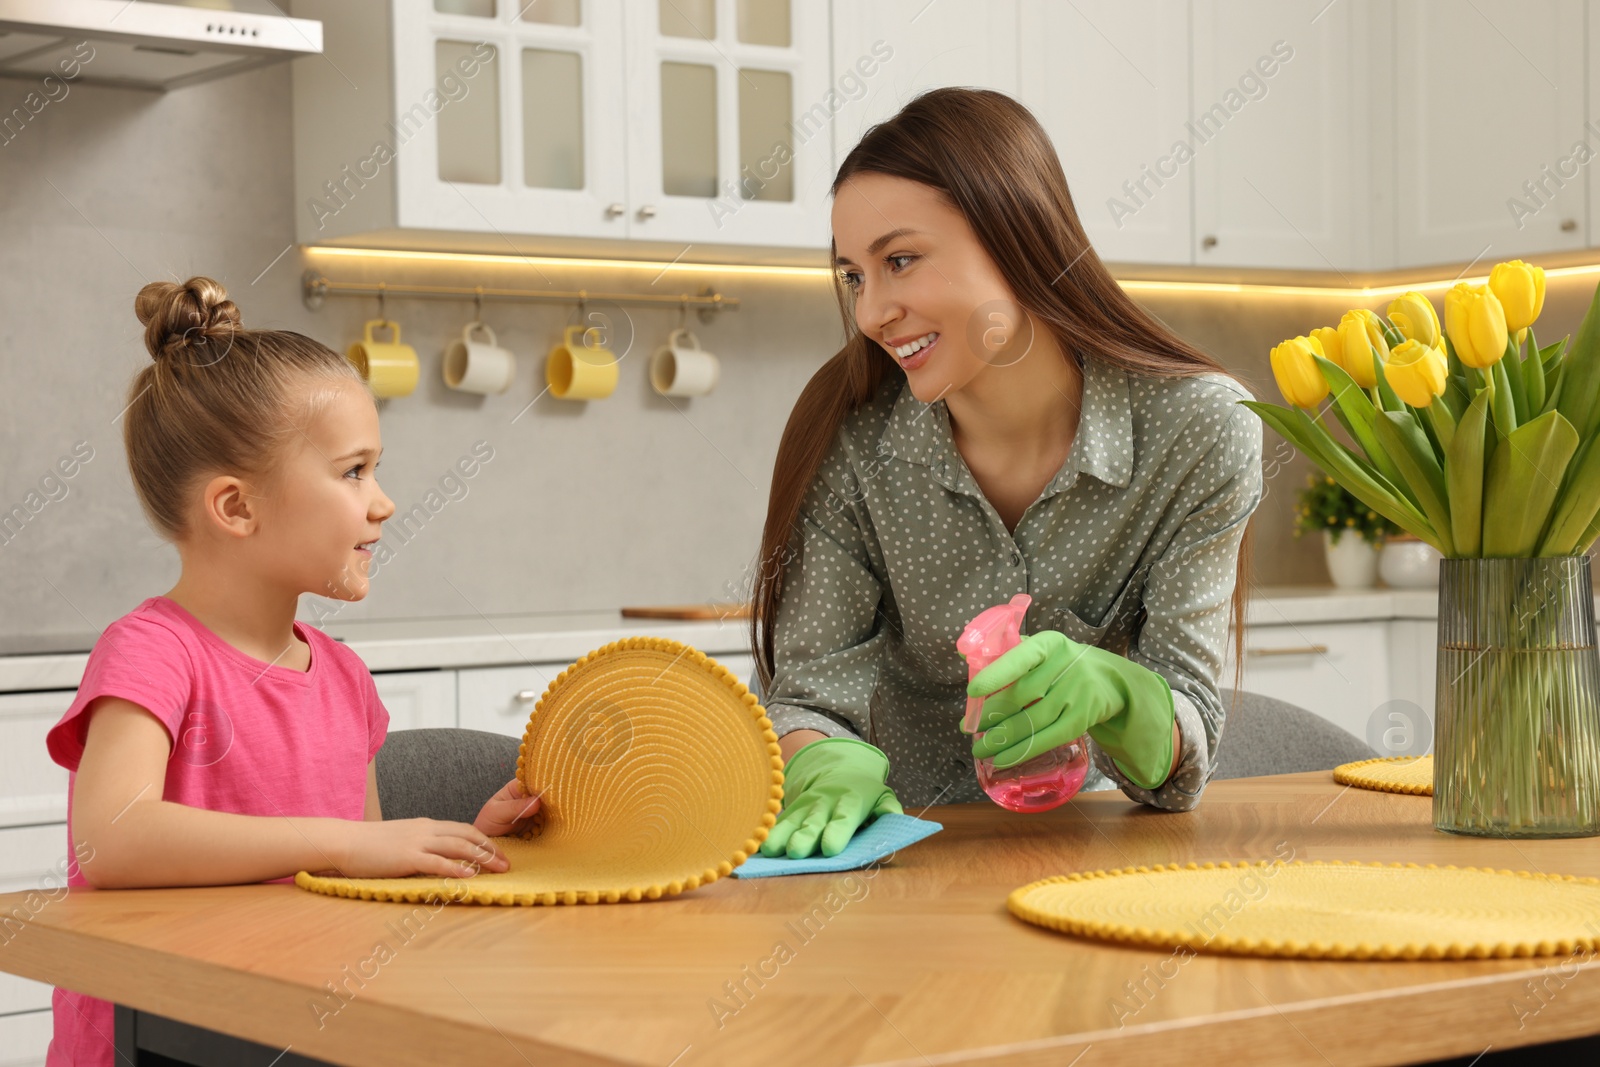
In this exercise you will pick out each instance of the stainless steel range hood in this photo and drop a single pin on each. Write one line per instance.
(148, 45)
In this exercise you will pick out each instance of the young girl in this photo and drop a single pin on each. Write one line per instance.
(215, 740)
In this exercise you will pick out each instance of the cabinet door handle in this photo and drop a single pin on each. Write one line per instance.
(526, 696)
(1302, 650)
(1208, 241)
(648, 211)
(1568, 225)
(613, 210)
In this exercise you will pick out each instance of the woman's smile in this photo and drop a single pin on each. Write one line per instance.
(915, 352)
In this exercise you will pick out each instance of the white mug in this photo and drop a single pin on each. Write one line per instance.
(682, 368)
(478, 366)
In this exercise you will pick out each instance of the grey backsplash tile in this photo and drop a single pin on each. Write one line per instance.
(584, 506)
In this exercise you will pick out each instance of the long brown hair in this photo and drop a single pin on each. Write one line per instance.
(992, 160)
(215, 396)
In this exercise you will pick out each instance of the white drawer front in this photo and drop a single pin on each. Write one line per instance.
(32, 859)
(1337, 670)
(32, 788)
(501, 699)
(24, 1039)
(416, 699)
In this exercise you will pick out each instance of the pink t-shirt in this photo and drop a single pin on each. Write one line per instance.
(247, 737)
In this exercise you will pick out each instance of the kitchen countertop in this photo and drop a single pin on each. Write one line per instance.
(35, 662)
(420, 644)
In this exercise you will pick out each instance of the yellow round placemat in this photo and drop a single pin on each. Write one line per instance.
(1322, 910)
(657, 771)
(1389, 774)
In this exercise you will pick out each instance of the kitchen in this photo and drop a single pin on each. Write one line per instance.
(486, 175)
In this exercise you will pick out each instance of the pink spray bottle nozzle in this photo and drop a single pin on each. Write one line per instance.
(994, 632)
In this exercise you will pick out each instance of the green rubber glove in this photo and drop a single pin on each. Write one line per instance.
(1060, 690)
(830, 787)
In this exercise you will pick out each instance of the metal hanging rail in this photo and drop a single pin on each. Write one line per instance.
(317, 287)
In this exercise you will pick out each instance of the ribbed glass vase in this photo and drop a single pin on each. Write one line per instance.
(1517, 742)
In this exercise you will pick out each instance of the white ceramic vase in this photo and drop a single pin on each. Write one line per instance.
(1352, 563)
(1409, 564)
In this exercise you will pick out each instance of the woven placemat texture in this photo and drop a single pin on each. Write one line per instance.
(657, 772)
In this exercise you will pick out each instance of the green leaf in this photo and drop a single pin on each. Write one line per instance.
(1464, 477)
(1391, 400)
(1588, 537)
(1582, 371)
(1357, 415)
(1578, 505)
(1511, 364)
(1553, 386)
(1524, 476)
(1403, 438)
(1455, 395)
(1365, 484)
(1549, 353)
(1503, 404)
(1533, 377)
(1442, 424)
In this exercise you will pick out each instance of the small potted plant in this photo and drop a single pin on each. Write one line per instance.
(1327, 507)
(1408, 562)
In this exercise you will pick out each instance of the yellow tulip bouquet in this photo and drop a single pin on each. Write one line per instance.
(1471, 437)
(1486, 446)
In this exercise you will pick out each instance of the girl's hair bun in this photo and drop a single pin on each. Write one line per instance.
(185, 317)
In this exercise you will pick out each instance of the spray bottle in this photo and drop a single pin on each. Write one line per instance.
(1047, 780)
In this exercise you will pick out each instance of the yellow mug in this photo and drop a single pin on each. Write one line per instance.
(388, 366)
(578, 370)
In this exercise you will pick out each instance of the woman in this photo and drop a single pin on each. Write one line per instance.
(1002, 419)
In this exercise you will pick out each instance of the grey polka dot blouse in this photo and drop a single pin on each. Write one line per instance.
(1132, 546)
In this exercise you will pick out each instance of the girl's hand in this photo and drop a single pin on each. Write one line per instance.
(403, 847)
(508, 811)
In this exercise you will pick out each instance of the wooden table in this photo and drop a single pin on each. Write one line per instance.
(919, 963)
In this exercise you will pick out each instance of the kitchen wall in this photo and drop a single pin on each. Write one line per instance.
(634, 500)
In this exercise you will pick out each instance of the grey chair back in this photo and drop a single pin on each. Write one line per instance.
(1264, 735)
(443, 772)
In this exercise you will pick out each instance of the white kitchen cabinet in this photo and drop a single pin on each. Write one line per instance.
(531, 143)
(33, 859)
(675, 121)
(1413, 659)
(913, 45)
(1489, 109)
(727, 116)
(416, 699)
(33, 789)
(501, 699)
(24, 1039)
(1283, 155)
(1109, 82)
(1338, 670)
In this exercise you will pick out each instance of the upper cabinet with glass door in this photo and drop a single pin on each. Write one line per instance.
(530, 144)
(727, 118)
(657, 120)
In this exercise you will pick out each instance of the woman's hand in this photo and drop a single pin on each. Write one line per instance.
(1060, 690)
(830, 787)
(403, 847)
(508, 811)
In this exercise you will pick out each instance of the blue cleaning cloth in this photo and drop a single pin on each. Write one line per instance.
(881, 837)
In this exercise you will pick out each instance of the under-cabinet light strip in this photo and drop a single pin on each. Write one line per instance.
(1136, 285)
